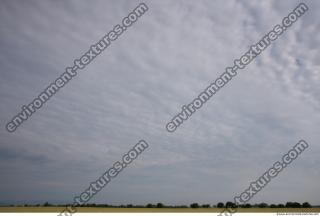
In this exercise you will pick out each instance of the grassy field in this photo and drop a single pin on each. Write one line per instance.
(102, 209)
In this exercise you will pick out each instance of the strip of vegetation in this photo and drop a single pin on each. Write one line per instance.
(193, 205)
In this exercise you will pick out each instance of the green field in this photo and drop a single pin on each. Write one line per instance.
(190, 210)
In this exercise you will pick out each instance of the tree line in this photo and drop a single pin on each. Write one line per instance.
(192, 205)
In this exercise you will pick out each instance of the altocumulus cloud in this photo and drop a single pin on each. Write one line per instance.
(132, 89)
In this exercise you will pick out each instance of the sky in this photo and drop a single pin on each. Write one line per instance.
(131, 90)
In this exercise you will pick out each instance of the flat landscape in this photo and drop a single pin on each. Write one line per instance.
(102, 209)
(174, 106)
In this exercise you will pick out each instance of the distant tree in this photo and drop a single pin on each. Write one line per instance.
(296, 205)
(46, 204)
(280, 205)
(149, 205)
(306, 205)
(194, 205)
(230, 205)
(160, 205)
(293, 205)
(178, 206)
(248, 205)
(91, 204)
(220, 205)
(289, 205)
(129, 206)
(205, 206)
(273, 206)
(262, 205)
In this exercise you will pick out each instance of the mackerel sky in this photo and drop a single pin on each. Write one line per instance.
(140, 82)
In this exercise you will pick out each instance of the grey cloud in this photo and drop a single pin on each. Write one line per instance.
(140, 82)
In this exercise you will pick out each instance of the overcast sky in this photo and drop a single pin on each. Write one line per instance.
(129, 92)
